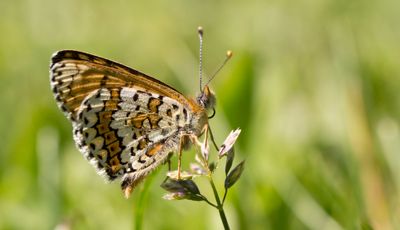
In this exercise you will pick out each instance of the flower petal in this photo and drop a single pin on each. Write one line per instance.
(197, 169)
(229, 142)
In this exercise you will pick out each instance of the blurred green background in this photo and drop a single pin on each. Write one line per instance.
(314, 85)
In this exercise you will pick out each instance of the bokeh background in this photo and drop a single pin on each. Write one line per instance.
(314, 85)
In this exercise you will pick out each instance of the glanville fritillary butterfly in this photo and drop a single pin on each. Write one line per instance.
(126, 123)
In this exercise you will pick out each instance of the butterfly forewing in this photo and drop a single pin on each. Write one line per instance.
(75, 74)
(124, 122)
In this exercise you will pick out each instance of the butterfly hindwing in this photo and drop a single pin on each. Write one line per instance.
(120, 130)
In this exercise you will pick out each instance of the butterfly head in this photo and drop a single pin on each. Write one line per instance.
(206, 98)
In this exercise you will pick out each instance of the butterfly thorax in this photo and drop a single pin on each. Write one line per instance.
(198, 120)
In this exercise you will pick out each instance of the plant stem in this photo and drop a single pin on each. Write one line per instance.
(208, 202)
(225, 193)
(219, 205)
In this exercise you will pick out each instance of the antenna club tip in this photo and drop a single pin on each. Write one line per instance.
(200, 30)
(229, 54)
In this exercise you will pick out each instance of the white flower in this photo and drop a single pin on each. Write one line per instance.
(229, 142)
(205, 148)
(197, 169)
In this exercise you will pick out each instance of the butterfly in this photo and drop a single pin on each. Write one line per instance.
(125, 123)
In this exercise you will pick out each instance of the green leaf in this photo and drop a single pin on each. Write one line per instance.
(172, 185)
(190, 186)
(181, 189)
(195, 197)
(229, 160)
(234, 175)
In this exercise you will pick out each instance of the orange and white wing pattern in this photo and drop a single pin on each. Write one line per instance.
(124, 122)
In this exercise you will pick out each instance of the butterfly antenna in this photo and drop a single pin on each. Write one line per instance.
(228, 56)
(200, 32)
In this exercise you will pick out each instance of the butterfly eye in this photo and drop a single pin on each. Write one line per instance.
(206, 99)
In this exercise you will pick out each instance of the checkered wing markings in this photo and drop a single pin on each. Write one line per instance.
(91, 91)
(74, 75)
(126, 132)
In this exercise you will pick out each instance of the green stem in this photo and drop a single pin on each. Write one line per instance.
(225, 193)
(219, 206)
(208, 202)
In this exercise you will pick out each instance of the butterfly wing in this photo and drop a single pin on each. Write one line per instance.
(75, 74)
(125, 122)
(126, 132)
